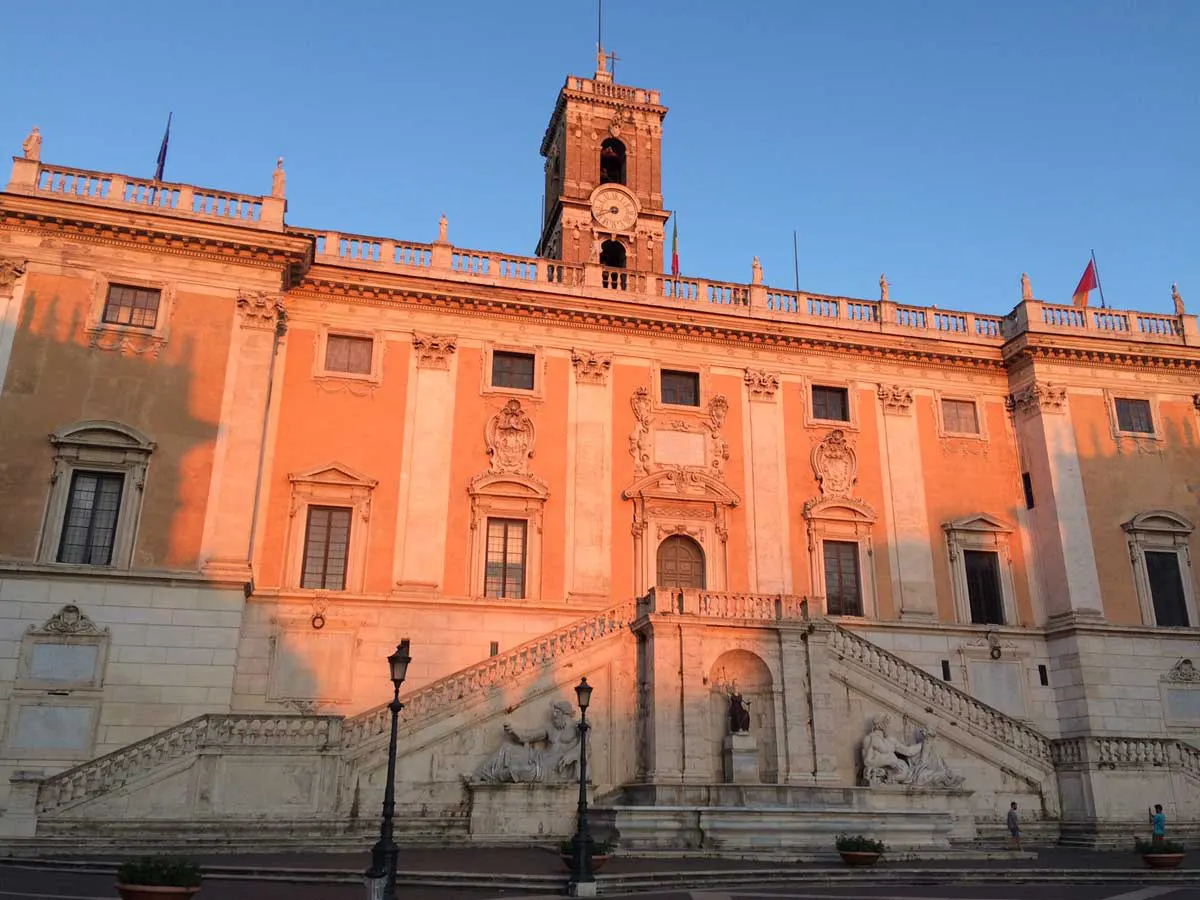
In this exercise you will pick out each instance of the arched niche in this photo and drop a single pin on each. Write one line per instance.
(749, 674)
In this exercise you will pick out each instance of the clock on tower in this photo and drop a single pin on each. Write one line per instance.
(603, 150)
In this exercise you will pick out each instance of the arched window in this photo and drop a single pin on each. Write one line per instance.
(612, 162)
(612, 254)
(680, 563)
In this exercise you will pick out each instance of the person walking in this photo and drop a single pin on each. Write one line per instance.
(1158, 825)
(1014, 826)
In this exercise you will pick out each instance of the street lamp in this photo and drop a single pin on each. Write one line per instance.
(381, 876)
(583, 883)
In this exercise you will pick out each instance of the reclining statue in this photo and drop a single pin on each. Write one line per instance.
(887, 761)
(518, 761)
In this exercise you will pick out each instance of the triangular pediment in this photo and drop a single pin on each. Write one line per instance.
(333, 473)
(980, 522)
(682, 483)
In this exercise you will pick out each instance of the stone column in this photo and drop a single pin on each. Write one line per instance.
(424, 471)
(225, 552)
(11, 295)
(910, 547)
(589, 479)
(1062, 531)
(825, 727)
(666, 756)
(796, 727)
(766, 475)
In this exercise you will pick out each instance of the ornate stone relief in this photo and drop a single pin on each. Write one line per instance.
(1196, 400)
(681, 511)
(1041, 396)
(510, 435)
(835, 464)
(68, 620)
(1183, 672)
(549, 754)
(433, 350)
(260, 309)
(10, 271)
(591, 367)
(665, 531)
(885, 760)
(895, 399)
(762, 384)
(137, 344)
(639, 438)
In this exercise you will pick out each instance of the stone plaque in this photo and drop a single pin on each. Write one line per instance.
(1182, 704)
(679, 448)
(53, 728)
(998, 684)
(308, 664)
(63, 662)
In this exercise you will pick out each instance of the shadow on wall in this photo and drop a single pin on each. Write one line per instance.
(60, 374)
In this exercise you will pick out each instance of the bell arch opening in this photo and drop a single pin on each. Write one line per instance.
(612, 162)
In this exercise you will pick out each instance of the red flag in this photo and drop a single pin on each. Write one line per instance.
(1086, 284)
(675, 249)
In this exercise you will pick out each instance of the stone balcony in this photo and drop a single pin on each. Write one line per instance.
(753, 303)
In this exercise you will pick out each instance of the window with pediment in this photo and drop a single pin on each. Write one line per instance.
(980, 552)
(1162, 567)
(330, 518)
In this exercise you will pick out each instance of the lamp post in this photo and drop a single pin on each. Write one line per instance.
(583, 882)
(381, 876)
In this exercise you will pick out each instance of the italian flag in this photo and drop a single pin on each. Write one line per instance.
(1087, 284)
(675, 246)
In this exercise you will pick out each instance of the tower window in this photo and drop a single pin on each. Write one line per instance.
(612, 254)
(612, 162)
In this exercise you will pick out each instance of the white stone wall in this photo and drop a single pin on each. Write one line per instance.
(172, 653)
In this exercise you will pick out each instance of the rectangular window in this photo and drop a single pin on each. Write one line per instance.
(1166, 588)
(1134, 415)
(843, 587)
(680, 388)
(959, 417)
(126, 305)
(1043, 676)
(945, 670)
(344, 353)
(512, 370)
(1027, 486)
(326, 547)
(831, 403)
(504, 574)
(91, 520)
(983, 587)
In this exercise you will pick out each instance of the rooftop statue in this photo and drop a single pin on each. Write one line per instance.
(1177, 300)
(883, 288)
(1026, 288)
(33, 145)
(278, 180)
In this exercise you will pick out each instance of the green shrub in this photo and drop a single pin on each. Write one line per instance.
(160, 871)
(599, 848)
(856, 843)
(1142, 845)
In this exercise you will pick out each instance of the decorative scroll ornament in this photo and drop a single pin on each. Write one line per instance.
(591, 367)
(510, 438)
(895, 399)
(433, 350)
(1184, 671)
(762, 384)
(10, 271)
(1038, 397)
(835, 464)
(126, 344)
(68, 620)
(260, 309)
(639, 438)
(718, 407)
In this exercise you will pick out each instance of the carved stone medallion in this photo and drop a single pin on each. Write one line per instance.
(835, 464)
(510, 436)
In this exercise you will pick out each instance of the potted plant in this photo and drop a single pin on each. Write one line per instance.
(857, 850)
(601, 851)
(1161, 853)
(158, 878)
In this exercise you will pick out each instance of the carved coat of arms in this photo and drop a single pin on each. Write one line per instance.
(835, 464)
(509, 438)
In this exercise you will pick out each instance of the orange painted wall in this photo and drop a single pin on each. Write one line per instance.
(1122, 479)
(738, 555)
(56, 379)
(625, 380)
(321, 424)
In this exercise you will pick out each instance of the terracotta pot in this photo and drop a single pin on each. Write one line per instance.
(155, 892)
(598, 861)
(859, 857)
(1162, 860)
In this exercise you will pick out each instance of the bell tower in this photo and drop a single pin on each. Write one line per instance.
(603, 150)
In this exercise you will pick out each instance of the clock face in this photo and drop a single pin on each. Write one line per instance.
(614, 209)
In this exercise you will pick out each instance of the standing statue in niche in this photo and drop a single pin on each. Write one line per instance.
(739, 711)
(519, 762)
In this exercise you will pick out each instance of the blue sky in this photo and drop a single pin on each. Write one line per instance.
(950, 144)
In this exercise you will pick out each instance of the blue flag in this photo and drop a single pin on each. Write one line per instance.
(162, 151)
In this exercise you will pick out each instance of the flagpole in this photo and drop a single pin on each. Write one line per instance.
(796, 259)
(1099, 284)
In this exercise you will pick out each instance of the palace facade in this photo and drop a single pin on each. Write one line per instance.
(239, 460)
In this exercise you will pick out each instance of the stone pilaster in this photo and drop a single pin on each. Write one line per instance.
(826, 730)
(424, 473)
(904, 506)
(796, 726)
(664, 693)
(11, 295)
(589, 440)
(228, 522)
(766, 474)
